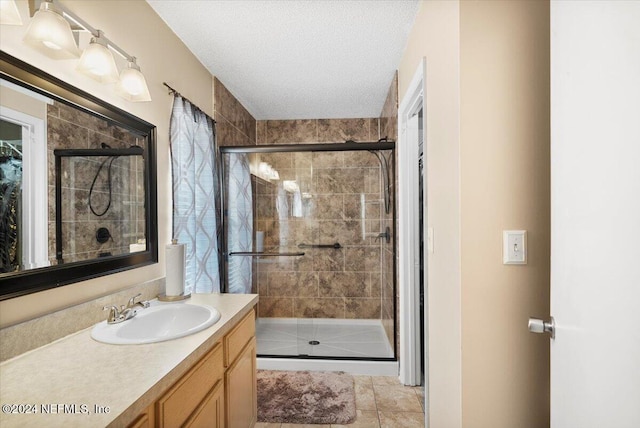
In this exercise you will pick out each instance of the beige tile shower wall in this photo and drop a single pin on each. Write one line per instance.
(235, 126)
(325, 283)
(317, 131)
(389, 114)
(389, 129)
(68, 128)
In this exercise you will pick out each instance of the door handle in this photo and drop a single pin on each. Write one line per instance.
(536, 325)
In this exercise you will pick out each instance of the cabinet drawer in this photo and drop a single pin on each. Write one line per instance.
(184, 397)
(238, 338)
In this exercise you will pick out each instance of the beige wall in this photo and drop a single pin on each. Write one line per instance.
(435, 35)
(23, 103)
(504, 174)
(135, 27)
(488, 170)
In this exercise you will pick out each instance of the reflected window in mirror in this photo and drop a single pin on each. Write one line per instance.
(11, 258)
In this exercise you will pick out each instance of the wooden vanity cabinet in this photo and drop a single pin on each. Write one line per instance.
(145, 420)
(219, 391)
(188, 396)
(240, 374)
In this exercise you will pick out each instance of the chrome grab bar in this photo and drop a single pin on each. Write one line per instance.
(335, 246)
(255, 254)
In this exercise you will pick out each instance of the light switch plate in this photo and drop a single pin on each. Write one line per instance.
(514, 247)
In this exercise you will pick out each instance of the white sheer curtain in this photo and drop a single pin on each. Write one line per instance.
(196, 194)
(239, 209)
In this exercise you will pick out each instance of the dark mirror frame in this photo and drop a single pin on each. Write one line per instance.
(16, 284)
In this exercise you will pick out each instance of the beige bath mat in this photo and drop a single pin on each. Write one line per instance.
(306, 397)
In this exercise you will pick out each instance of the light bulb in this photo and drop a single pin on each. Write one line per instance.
(263, 168)
(97, 61)
(51, 45)
(132, 85)
(131, 82)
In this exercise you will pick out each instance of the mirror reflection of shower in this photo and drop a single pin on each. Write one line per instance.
(99, 209)
(321, 251)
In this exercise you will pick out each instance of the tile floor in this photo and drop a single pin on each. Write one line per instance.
(337, 338)
(381, 402)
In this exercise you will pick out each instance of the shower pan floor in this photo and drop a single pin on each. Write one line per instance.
(322, 338)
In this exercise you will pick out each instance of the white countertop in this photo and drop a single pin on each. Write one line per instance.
(78, 378)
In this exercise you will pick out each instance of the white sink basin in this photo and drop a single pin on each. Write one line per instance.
(157, 323)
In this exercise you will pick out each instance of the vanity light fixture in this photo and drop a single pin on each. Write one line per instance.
(97, 61)
(51, 34)
(132, 85)
(45, 33)
(9, 14)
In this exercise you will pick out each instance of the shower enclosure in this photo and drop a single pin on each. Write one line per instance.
(310, 229)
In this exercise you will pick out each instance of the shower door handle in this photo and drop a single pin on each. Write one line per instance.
(256, 254)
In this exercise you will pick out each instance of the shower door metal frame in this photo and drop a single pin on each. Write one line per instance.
(319, 147)
(82, 153)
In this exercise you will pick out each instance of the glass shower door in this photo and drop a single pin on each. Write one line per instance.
(313, 250)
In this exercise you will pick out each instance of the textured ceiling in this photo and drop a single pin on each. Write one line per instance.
(297, 59)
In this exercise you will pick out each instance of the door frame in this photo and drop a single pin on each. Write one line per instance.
(34, 180)
(408, 248)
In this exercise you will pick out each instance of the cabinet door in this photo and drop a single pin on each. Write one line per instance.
(145, 420)
(210, 413)
(240, 389)
(186, 395)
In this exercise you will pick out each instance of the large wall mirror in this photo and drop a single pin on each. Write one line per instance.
(77, 184)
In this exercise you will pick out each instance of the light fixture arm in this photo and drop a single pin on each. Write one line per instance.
(34, 6)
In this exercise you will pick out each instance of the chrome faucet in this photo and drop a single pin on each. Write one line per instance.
(125, 312)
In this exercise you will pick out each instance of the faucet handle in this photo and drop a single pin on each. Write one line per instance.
(132, 301)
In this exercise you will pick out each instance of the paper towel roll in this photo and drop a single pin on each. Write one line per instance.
(259, 241)
(175, 262)
(134, 248)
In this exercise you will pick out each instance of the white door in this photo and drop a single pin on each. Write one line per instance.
(595, 214)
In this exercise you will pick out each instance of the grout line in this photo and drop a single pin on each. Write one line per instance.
(238, 129)
(375, 402)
